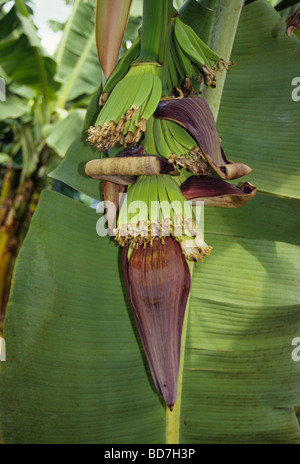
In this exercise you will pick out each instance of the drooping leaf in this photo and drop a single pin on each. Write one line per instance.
(36, 72)
(77, 61)
(21, 44)
(12, 108)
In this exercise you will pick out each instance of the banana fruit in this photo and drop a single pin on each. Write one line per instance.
(124, 115)
(154, 209)
(194, 57)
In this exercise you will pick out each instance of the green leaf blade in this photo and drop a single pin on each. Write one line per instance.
(259, 122)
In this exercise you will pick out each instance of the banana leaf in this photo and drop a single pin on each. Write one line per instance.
(37, 71)
(62, 134)
(86, 340)
(75, 370)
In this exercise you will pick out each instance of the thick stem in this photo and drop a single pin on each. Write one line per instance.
(224, 32)
(63, 98)
(174, 417)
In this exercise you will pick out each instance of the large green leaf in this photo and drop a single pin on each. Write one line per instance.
(36, 72)
(13, 108)
(75, 370)
(20, 44)
(258, 120)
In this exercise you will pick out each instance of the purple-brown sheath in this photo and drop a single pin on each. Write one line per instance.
(158, 282)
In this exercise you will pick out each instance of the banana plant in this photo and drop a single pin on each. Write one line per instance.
(155, 338)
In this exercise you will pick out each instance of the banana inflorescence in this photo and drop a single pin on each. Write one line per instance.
(155, 206)
(164, 151)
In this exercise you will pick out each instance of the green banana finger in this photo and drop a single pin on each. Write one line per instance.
(188, 41)
(177, 202)
(175, 147)
(154, 98)
(183, 62)
(162, 147)
(165, 207)
(153, 205)
(181, 135)
(144, 84)
(150, 138)
(114, 107)
(208, 51)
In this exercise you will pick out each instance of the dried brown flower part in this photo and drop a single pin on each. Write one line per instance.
(126, 169)
(112, 193)
(158, 282)
(194, 162)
